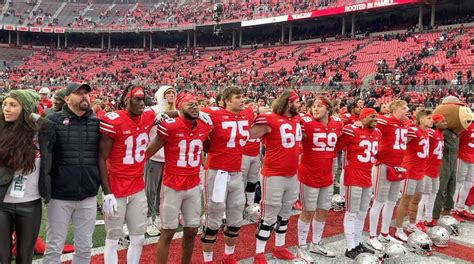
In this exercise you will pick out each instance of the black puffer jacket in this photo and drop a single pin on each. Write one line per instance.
(74, 169)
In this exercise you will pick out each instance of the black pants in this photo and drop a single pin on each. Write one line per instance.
(25, 220)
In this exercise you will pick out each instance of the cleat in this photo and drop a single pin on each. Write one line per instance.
(400, 235)
(321, 250)
(388, 238)
(352, 254)
(283, 253)
(375, 243)
(457, 217)
(412, 228)
(229, 259)
(430, 223)
(302, 253)
(259, 259)
(465, 215)
(420, 226)
(363, 249)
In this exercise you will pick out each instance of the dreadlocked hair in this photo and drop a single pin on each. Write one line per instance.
(121, 101)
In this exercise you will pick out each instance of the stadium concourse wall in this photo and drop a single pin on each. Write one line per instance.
(348, 15)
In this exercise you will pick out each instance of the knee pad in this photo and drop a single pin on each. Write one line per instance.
(231, 231)
(282, 225)
(137, 240)
(209, 235)
(251, 186)
(263, 231)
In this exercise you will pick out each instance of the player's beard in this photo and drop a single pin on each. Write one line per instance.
(293, 110)
(84, 105)
(189, 116)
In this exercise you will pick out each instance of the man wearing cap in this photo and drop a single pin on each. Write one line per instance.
(74, 175)
(182, 138)
(360, 144)
(431, 179)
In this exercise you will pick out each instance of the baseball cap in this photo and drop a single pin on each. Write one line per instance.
(72, 87)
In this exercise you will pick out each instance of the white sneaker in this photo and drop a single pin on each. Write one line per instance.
(388, 239)
(400, 234)
(374, 243)
(302, 252)
(412, 228)
(152, 230)
(321, 250)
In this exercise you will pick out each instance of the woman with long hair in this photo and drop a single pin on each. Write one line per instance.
(20, 200)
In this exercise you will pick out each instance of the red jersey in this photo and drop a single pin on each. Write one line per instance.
(466, 144)
(436, 153)
(361, 145)
(183, 147)
(416, 156)
(281, 144)
(319, 144)
(227, 139)
(252, 148)
(349, 119)
(127, 156)
(46, 103)
(393, 143)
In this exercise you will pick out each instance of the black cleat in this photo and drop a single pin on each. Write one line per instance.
(352, 254)
(363, 249)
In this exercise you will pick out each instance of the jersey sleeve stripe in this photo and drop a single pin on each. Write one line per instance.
(106, 125)
(162, 130)
(348, 133)
(382, 122)
(260, 121)
(107, 130)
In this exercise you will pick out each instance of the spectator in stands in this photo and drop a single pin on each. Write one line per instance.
(74, 176)
(21, 183)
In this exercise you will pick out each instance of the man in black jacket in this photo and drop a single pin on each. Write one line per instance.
(74, 175)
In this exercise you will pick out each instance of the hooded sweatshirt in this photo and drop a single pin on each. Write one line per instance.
(160, 107)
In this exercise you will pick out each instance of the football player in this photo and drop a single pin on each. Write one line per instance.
(465, 172)
(431, 179)
(320, 133)
(122, 157)
(361, 144)
(182, 138)
(223, 184)
(281, 132)
(387, 172)
(414, 161)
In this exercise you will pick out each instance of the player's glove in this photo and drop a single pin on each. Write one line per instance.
(160, 117)
(110, 205)
(206, 118)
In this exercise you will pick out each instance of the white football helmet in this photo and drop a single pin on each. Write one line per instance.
(450, 223)
(394, 253)
(420, 243)
(439, 235)
(367, 258)
(45, 90)
(338, 202)
(252, 213)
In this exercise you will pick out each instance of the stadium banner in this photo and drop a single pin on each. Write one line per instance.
(350, 8)
(47, 30)
(35, 29)
(9, 27)
(59, 30)
(263, 21)
(22, 28)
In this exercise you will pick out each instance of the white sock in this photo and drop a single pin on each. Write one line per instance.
(110, 251)
(207, 256)
(387, 216)
(250, 197)
(260, 246)
(421, 207)
(303, 230)
(359, 226)
(318, 228)
(280, 239)
(135, 249)
(374, 217)
(456, 192)
(429, 206)
(229, 250)
(349, 225)
(466, 187)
